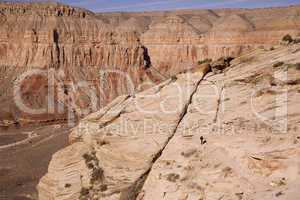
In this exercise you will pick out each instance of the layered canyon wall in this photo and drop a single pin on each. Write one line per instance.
(180, 38)
(63, 54)
(84, 60)
(231, 136)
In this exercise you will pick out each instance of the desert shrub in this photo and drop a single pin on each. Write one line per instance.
(87, 157)
(103, 188)
(297, 40)
(173, 177)
(265, 92)
(204, 61)
(287, 38)
(90, 165)
(68, 185)
(272, 49)
(84, 192)
(174, 78)
(246, 59)
(278, 64)
(293, 82)
(255, 79)
(228, 60)
(295, 66)
(97, 175)
(103, 142)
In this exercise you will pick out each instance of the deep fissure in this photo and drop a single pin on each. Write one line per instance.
(138, 185)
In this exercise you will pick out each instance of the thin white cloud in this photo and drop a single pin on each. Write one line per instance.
(109, 5)
(164, 3)
(143, 5)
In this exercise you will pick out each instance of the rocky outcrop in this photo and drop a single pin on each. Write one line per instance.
(61, 63)
(186, 40)
(186, 139)
(46, 9)
(220, 65)
(69, 57)
(239, 138)
(172, 38)
(106, 137)
(80, 47)
(200, 23)
(138, 25)
(233, 23)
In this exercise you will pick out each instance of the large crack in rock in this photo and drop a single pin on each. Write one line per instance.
(126, 140)
(151, 153)
(242, 157)
(139, 184)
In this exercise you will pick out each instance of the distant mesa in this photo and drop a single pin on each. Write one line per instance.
(291, 22)
(172, 28)
(43, 9)
(174, 19)
(139, 25)
(201, 24)
(233, 23)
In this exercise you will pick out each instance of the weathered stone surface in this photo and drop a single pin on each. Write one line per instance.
(226, 137)
(78, 49)
(77, 44)
(248, 153)
(121, 54)
(125, 137)
(221, 64)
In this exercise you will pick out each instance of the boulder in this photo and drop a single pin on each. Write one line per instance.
(221, 64)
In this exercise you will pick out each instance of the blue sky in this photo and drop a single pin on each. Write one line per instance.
(142, 5)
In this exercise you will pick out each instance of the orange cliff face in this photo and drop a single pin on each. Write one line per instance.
(61, 61)
(189, 37)
(56, 55)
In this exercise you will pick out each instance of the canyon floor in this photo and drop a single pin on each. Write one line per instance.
(24, 159)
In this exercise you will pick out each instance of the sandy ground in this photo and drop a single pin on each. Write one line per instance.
(25, 154)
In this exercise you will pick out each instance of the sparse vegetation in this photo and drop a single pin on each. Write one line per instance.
(278, 64)
(287, 38)
(103, 142)
(174, 78)
(272, 49)
(92, 163)
(204, 61)
(189, 153)
(87, 157)
(227, 171)
(97, 175)
(297, 40)
(103, 188)
(255, 79)
(68, 185)
(265, 92)
(294, 66)
(173, 177)
(246, 59)
(293, 82)
(84, 192)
